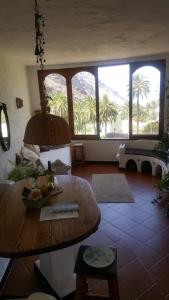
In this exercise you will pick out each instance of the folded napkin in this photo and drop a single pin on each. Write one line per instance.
(59, 211)
(64, 207)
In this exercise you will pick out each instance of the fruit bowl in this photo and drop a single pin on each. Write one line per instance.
(32, 204)
(35, 198)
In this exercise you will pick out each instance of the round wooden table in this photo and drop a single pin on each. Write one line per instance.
(22, 234)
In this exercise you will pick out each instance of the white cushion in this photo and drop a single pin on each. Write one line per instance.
(142, 144)
(34, 148)
(59, 168)
(29, 154)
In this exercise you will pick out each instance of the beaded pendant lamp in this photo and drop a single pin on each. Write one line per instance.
(44, 128)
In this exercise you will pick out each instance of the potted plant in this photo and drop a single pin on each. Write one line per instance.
(163, 186)
(163, 144)
(163, 183)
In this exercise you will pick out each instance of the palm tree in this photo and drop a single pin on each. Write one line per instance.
(141, 115)
(89, 111)
(79, 117)
(152, 115)
(140, 88)
(108, 112)
(124, 111)
(151, 127)
(58, 105)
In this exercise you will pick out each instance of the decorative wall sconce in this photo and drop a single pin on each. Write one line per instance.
(19, 103)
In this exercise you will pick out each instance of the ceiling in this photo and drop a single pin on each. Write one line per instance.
(85, 31)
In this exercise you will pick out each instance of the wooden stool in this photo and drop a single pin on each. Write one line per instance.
(78, 153)
(84, 271)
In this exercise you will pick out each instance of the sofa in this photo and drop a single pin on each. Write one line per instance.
(63, 154)
(60, 157)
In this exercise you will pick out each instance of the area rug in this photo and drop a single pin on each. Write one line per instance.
(111, 188)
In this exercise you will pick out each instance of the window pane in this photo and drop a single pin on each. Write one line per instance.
(145, 100)
(84, 103)
(56, 89)
(114, 101)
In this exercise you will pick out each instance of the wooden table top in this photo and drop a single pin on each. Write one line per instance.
(21, 232)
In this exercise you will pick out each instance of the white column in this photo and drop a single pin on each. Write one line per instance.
(58, 269)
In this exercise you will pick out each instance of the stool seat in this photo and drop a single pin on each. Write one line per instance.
(82, 267)
(84, 271)
(40, 296)
(36, 296)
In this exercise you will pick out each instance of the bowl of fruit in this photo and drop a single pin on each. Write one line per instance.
(35, 198)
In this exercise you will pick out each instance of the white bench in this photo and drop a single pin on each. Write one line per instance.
(139, 153)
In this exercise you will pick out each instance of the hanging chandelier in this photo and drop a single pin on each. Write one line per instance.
(44, 128)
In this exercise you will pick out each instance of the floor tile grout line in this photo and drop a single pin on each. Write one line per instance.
(162, 258)
(147, 290)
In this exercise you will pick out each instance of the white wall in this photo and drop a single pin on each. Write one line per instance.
(100, 150)
(13, 83)
(33, 88)
(107, 150)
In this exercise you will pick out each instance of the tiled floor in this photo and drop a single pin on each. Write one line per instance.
(139, 231)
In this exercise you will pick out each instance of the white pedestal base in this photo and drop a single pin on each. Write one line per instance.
(58, 269)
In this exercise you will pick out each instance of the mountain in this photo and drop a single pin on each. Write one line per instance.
(83, 85)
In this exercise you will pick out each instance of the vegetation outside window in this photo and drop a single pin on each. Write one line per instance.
(114, 101)
(84, 104)
(147, 99)
(55, 85)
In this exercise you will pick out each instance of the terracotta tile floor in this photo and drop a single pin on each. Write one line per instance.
(139, 231)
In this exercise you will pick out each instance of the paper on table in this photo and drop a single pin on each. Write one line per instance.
(46, 214)
(64, 207)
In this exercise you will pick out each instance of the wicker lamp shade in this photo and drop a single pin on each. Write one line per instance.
(47, 129)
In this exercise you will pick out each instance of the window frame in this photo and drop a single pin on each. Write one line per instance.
(161, 66)
(68, 73)
(72, 72)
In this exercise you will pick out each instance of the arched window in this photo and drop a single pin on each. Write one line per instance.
(56, 90)
(146, 97)
(109, 102)
(84, 103)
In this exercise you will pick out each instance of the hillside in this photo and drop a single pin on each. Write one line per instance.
(83, 85)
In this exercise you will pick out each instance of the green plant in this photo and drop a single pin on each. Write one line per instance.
(163, 182)
(167, 104)
(20, 172)
(163, 144)
(163, 185)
